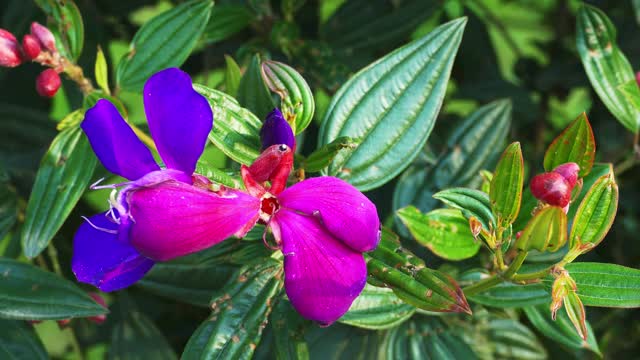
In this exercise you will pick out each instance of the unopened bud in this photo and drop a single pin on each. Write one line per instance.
(98, 319)
(569, 172)
(552, 188)
(48, 83)
(45, 37)
(64, 322)
(276, 130)
(9, 50)
(30, 47)
(564, 293)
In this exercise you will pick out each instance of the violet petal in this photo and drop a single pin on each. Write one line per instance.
(276, 130)
(344, 210)
(115, 143)
(104, 261)
(174, 219)
(179, 118)
(322, 275)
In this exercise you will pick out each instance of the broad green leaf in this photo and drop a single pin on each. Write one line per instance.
(605, 64)
(232, 76)
(425, 338)
(414, 187)
(225, 21)
(297, 103)
(444, 231)
(19, 341)
(236, 130)
(506, 186)
(29, 293)
(631, 93)
(342, 342)
(192, 279)
(65, 22)
(64, 175)
(393, 120)
(8, 205)
(596, 212)
(509, 339)
(252, 91)
(225, 177)
(165, 41)
(599, 170)
(472, 143)
(508, 295)
(239, 309)
(376, 309)
(471, 202)
(561, 330)
(288, 332)
(101, 71)
(321, 158)
(73, 119)
(575, 144)
(395, 267)
(546, 231)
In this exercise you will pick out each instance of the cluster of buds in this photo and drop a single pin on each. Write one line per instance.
(38, 46)
(98, 319)
(555, 187)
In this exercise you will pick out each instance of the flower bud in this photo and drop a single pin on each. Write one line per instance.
(48, 83)
(98, 319)
(9, 50)
(30, 47)
(564, 293)
(45, 37)
(551, 188)
(569, 172)
(64, 322)
(276, 130)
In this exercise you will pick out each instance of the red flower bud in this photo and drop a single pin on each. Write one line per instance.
(638, 77)
(98, 319)
(45, 37)
(9, 50)
(48, 83)
(64, 322)
(552, 188)
(30, 47)
(569, 172)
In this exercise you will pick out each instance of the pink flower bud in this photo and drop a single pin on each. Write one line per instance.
(569, 172)
(552, 188)
(30, 47)
(98, 319)
(9, 50)
(45, 37)
(48, 83)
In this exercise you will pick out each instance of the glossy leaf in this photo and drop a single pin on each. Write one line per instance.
(227, 178)
(237, 130)
(471, 202)
(297, 103)
(8, 205)
(506, 186)
(575, 144)
(239, 309)
(394, 124)
(605, 64)
(232, 76)
(65, 22)
(509, 339)
(64, 175)
(19, 341)
(288, 332)
(546, 231)
(631, 93)
(226, 20)
(377, 309)
(342, 342)
(444, 231)
(101, 71)
(252, 91)
(151, 51)
(508, 295)
(596, 212)
(599, 170)
(321, 158)
(29, 293)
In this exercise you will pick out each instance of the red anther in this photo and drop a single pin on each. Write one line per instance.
(30, 47)
(9, 50)
(45, 37)
(570, 173)
(552, 188)
(48, 83)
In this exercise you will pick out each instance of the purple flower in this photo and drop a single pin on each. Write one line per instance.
(110, 251)
(276, 130)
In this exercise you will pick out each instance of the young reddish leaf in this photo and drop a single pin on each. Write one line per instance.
(575, 144)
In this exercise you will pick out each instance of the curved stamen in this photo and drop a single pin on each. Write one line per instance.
(115, 232)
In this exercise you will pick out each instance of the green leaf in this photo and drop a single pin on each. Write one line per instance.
(575, 144)
(631, 93)
(288, 330)
(506, 186)
(605, 64)
(232, 75)
(297, 102)
(28, 293)
(596, 212)
(8, 205)
(19, 341)
(393, 266)
(101, 71)
(561, 330)
(225, 177)
(65, 22)
(342, 342)
(225, 21)
(239, 309)
(471, 202)
(444, 231)
(236, 130)
(546, 231)
(377, 309)
(321, 158)
(252, 91)
(507, 295)
(64, 175)
(425, 338)
(165, 41)
(599, 170)
(394, 124)
(510, 339)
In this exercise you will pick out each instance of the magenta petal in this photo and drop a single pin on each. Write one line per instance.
(103, 260)
(174, 219)
(179, 118)
(322, 275)
(343, 209)
(115, 143)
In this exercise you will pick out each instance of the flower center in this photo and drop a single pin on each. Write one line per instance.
(268, 206)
